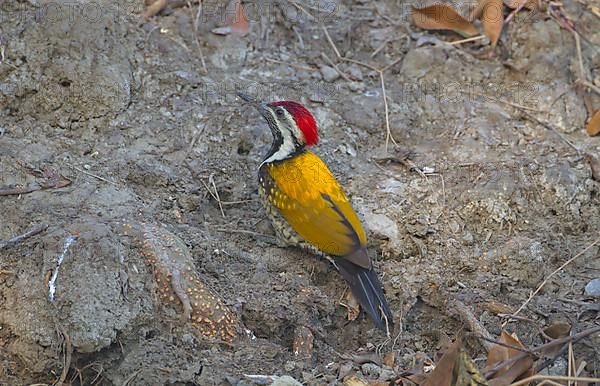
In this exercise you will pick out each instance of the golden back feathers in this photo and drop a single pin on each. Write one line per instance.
(311, 200)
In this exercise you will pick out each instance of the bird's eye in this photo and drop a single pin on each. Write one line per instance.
(279, 112)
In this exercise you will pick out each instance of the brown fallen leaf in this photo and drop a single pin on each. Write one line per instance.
(389, 359)
(556, 330)
(443, 17)
(236, 22)
(509, 373)
(351, 305)
(154, 8)
(593, 126)
(355, 381)
(442, 374)
(514, 4)
(496, 307)
(594, 166)
(492, 18)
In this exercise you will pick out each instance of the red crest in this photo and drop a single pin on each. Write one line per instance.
(304, 120)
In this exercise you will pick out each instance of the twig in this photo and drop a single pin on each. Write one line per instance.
(589, 85)
(37, 229)
(552, 274)
(388, 131)
(509, 103)
(555, 342)
(298, 66)
(335, 66)
(387, 67)
(217, 197)
(579, 56)
(367, 65)
(467, 40)
(67, 359)
(458, 308)
(382, 46)
(337, 53)
(496, 342)
(195, 23)
(90, 174)
(551, 128)
(538, 377)
(516, 10)
(302, 9)
(243, 231)
(132, 377)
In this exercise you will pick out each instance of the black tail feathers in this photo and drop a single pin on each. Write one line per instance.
(367, 289)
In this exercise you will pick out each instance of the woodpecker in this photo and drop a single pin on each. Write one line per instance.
(308, 207)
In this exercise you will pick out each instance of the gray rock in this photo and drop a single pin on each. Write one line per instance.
(329, 73)
(593, 288)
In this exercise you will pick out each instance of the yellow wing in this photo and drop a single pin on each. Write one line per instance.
(312, 201)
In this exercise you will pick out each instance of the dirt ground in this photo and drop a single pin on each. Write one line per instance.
(163, 160)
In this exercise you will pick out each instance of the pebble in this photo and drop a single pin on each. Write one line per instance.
(329, 73)
(593, 288)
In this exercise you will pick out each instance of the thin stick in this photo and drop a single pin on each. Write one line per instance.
(471, 39)
(538, 377)
(398, 60)
(67, 359)
(337, 53)
(508, 102)
(388, 132)
(195, 30)
(91, 174)
(551, 128)
(243, 231)
(335, 66)
(555, 342)
(367, 65)
(579, 56)
(589, 85)
(381, 47)
(516, 10)
(552, 274)
(36, 230)
(291, 64)
(516, 348)
(218, 198)
(302, 9)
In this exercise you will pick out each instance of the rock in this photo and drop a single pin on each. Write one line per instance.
(330, 74)
(285, 380)
(593, 288)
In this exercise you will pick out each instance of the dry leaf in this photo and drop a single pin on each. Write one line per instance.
(355, 381)
(492, 18)
(520, 369)
(236, 22)
(556, 330)
(594, 166)
(496, 307)
(442, 17)
(514, 4)
(154, 8)
(593, 126)
(443, 373)
(467, 374)
(351, 305)
(389, 359)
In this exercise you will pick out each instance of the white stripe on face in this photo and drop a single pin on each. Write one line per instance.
(288, 130)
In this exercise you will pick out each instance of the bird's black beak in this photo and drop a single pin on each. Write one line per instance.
(261, 107)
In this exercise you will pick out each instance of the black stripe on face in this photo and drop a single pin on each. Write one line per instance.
(277, 123)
